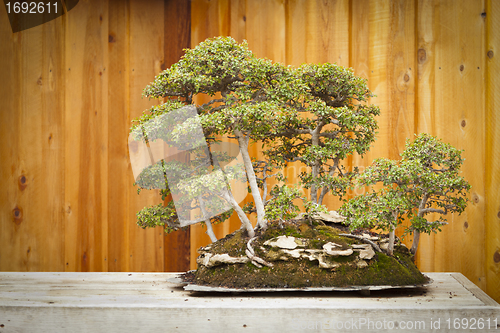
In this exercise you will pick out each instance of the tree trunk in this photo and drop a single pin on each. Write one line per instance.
(316, 165)
(416, 233)
(252, 179)
(390, 248)
(325, 189)
(210, 230)
(414, 245)
(245, 222)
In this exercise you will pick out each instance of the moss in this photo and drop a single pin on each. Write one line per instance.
(295, 273)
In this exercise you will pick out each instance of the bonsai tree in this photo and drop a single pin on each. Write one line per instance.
(311, 114)
(329, 124)
(424, 181)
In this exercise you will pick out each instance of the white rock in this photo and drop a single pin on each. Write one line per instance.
(211, 260)
(325, 264)
(331, 216)
(283, 242)
(384, 246)
(293, 253)
(360, 246)
(312, 254)
(330, 249)
(365, 251)
(330, 246)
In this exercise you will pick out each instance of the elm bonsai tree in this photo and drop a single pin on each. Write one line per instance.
(311, 114)
(424, 181)
(330, 123)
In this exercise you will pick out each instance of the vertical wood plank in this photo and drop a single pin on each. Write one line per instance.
(317, 32)
(177, 37)
(457, 116)
(492, 165)
(50, 210)
(263, 16)
(145, 57)
(391, 65)
(425, 116)
(10, 64)
(86, 137)
(383, 52)
(31, 148)
(120, 173)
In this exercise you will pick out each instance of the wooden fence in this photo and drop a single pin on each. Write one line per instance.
(70, 88)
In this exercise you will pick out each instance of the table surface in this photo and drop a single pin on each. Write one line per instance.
(29, 298)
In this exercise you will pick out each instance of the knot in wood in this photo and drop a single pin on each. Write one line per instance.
(422, 56)
(496, 257)
(17, 213)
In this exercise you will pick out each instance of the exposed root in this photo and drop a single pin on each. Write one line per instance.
(375, 246)
(253, 258)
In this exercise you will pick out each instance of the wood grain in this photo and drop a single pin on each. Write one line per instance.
(317, 32)
(383, 52)
(32, 146)
(117, 302)
(145, 59)
(425, 103)
(119, 195)
(177, 36)
(492, 163)
(86, 124)
(452, 108)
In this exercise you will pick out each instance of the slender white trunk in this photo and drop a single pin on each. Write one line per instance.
(390, 248)
(252, 179)
(210, 230)
(245, 222)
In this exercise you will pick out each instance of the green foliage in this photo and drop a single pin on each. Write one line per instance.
(313, 114)
(337, 127)
(281, 206)
(426, 180)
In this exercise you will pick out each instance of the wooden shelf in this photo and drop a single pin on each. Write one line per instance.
(146, 302)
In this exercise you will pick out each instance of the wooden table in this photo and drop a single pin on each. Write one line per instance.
(146, 302)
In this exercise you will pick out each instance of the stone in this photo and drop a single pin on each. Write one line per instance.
(293, 253)
(283, 242)
(323, 263)
(211, 260)
(365, 251)
(384, 246)
(331, 216)
(312, 254)
(330, 249)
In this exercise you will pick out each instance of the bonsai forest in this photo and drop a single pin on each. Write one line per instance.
(216, 102)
